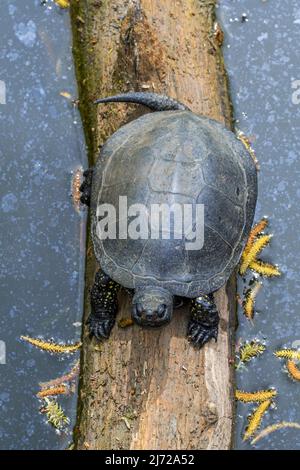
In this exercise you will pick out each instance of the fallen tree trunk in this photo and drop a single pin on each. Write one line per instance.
(150, 389)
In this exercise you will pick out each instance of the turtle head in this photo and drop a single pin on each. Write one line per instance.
(152, 306)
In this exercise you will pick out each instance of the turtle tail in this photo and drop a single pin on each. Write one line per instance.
(152, 101)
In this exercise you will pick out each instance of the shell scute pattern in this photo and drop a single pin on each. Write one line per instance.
(177, 157)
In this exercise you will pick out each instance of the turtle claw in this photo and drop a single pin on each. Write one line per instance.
(198, 334)
(203, 325)
(104, 306)
(100, 327)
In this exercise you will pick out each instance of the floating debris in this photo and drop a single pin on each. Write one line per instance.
(62, 3)
(274, 427)
(249, 302)
(52, 391)
(265, 269)
(75, 188)
(125, 322)
(256, 418)
(292, 354)
(55, 414)
(69, 97)
(69, 377)
(51, 346)
(66, 95)
(126, 421)
(252, 397)
(293, 370)
(218, 34)
(248, 351)
(246, 141)
(250, 256)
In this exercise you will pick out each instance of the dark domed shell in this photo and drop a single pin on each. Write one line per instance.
(176, 157)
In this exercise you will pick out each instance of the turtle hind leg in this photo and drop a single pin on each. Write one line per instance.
(203, 324)
(104, 306)
(86, 187)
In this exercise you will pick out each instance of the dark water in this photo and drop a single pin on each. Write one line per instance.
(42, 236)
(263, 59)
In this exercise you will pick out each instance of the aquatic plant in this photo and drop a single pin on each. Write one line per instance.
(292, 354)
(250, 255)
(63, 379)
(252, 397)
(258, 228)
(256, 418)
(274, 427)
(248, 351)
(246, 141)
(255, 244)
(63, 3)
(51, 346)
(52, 391)
(293, 370)
(265, 269)
(55, 414)
(249, 301)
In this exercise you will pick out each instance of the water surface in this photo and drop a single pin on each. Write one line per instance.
(42, 237)
(262, 57)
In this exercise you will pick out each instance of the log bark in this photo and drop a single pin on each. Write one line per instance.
(150, 389)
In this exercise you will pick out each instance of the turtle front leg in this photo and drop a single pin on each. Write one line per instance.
(204, 321)
(86, 187)
(104, 306)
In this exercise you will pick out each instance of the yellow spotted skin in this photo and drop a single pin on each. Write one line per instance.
(204, 321)
(104, 306)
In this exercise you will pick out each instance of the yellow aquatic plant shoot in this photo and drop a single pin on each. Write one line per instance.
(293, 370)
(63, 3)
(55, 414)
(274, 427)
(246, 141)
(248, 351)
(256, 419)
(288, 354)
(265, 269)
(255, 397)
(52, 347)
(248, 303)
(255, 249)
(255, 232)
(64, 378)
(52, 391)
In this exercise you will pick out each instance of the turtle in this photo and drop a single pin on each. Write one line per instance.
(165, 157)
